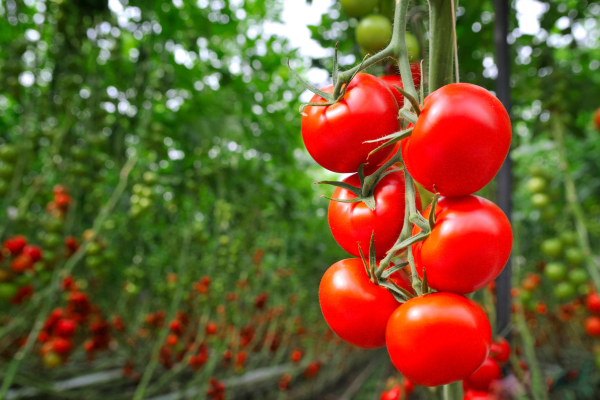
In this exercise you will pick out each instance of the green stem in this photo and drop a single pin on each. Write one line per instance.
(453, 391)
(441, 25)
(573, 201)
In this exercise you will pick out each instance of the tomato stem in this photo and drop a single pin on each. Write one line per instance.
(441, 27)
(453, 391)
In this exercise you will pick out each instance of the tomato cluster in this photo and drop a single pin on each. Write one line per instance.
(460, 138)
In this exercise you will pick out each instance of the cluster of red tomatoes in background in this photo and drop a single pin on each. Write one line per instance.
(458, 144)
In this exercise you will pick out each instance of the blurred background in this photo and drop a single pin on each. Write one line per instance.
(162, 235)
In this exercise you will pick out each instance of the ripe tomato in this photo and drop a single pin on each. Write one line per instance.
(438, 339)
(592, 303)
(334, 135)
(34, 252)
(475, 395)
(65, 327)
(16, 244)
(592, 326)
(357, 8)
(500, 350)
(373, 33)
(597, 119)
(460, 140)
(409, 387)
(482, 378)
(356, 309)
(468, 246)
(354, 222)
(395, 393)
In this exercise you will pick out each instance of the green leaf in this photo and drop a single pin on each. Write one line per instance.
(343, 185)
(388, 272)
(326, 96)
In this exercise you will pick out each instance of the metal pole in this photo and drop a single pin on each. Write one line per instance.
(504, 178)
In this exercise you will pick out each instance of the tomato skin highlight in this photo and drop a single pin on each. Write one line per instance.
(460, 140)
(468, 246)
(334, 135)
(356, 309)
(354, 222)
(438, 338)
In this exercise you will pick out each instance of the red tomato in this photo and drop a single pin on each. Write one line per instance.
(409, 387)
(500, 350)
(597, 119)
(460, 140)
(65, 327)
(468, 246)
(356, 309)
(438, 339)
(21, 263)
(354, 222)
(15, 244)
(592, 302)
(592, 326)
(474, 395)
(61, 345)
(334, 135)
(394, 393)
(481, 380)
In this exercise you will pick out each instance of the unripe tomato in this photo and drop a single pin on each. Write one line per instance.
(540, 200)
(536, 184)
(438, 339)
(592, 326)
(373, 33)
(568, 238)
(357, 8)
(574, 256)
(500, 350)
(468, 246)
(412, 47)
(578, 276)
(51, 360)
(555, 271)
(564, 290)
(8, 153)
(552, 247)
(356, 309)
(7, 290)
(481, 379)
(592, 302)
(353, 223)
(334, 135)
(460, 140)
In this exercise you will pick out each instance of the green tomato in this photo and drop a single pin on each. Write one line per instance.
(537, 170)
(412, 45)
(583, 289)
(8, 152)
(540, 200)
(549, 213)
(94, 261)
(578, 276)
(526, 296)
(574, 256)
(54, 224)
(51, 240)
(358, 8)
(536, 184)
(373, 33)
(555, 271)
(552, 247)
(564, 290)
(7, 290)
(569, 238)
(6, 170)
(150, 177)
(93, 249)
